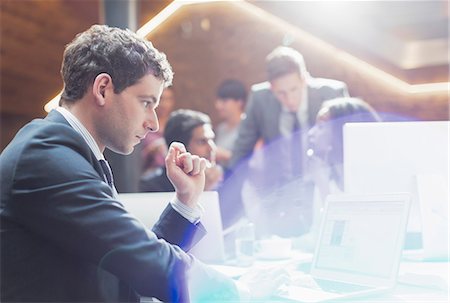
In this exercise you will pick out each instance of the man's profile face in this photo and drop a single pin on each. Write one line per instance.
(288, 89)
(202, 142)
(130, 115)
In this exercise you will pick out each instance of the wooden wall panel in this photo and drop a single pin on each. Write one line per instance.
(33, 36)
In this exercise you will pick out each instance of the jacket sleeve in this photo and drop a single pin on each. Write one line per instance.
(177, 230)
(248, 134)
(59, 195)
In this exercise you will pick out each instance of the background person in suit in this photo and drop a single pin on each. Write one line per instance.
(290, 96)
(279, 112)
(64, 235)
(194, 130)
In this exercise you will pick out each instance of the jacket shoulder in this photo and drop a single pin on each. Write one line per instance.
(262, 96)
(51, 149)
(323, 83)
(260, 87)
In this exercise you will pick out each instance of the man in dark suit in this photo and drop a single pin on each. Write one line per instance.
(279, 113)
(64, 235)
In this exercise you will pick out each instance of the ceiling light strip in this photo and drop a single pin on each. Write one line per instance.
(388, 79)
(351, 61)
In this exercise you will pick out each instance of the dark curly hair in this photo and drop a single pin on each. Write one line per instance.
(120, 53)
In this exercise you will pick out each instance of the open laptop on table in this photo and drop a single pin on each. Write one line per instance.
(358, 250)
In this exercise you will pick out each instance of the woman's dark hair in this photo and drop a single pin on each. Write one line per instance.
(232, 89)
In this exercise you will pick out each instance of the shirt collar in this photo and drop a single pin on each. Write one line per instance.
(79, 128)
(302, 112)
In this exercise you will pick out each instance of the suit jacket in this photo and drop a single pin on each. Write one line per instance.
(262, 115)
(267, 172)
(65, 238)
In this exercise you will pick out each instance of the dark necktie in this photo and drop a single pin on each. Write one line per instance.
(296, 147)
(107, 172)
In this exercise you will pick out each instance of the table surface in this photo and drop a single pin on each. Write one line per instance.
(417, 281)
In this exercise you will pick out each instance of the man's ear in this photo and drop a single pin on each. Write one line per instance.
(102, 83)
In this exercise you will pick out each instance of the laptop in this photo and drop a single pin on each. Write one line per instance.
(147, 208)
(409, 157)
(358, 250)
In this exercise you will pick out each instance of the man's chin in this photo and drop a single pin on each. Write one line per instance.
(122, 151)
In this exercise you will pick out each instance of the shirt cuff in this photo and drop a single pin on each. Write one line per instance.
(193, 215)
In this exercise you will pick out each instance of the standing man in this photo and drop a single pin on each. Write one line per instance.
(64, 235)
(280, 112)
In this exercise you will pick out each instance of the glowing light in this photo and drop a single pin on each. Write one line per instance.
(352, 61)
(386, 78)
(144, 31)
(53, 103)
(162, 16)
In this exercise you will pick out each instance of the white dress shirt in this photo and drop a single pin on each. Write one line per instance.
(191, 214)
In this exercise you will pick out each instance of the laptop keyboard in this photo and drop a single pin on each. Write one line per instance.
(339, 287)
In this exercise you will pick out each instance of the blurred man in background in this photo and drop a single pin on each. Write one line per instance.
(194, 130)
(279, 112)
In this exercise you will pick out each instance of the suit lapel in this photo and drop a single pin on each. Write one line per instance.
(274, 112)
(314, 104)
(56, 117)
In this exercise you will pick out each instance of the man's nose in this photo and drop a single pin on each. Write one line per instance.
(290, 98)
(151, 123)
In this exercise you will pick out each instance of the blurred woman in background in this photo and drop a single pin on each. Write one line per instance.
(326, 151)
(325, 138)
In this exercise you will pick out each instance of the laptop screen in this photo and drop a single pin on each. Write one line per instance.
(361, 237)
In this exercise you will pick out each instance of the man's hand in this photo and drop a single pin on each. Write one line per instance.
(186, 172)
(264, 282)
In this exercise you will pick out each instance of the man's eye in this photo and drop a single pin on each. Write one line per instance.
(147, 104)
